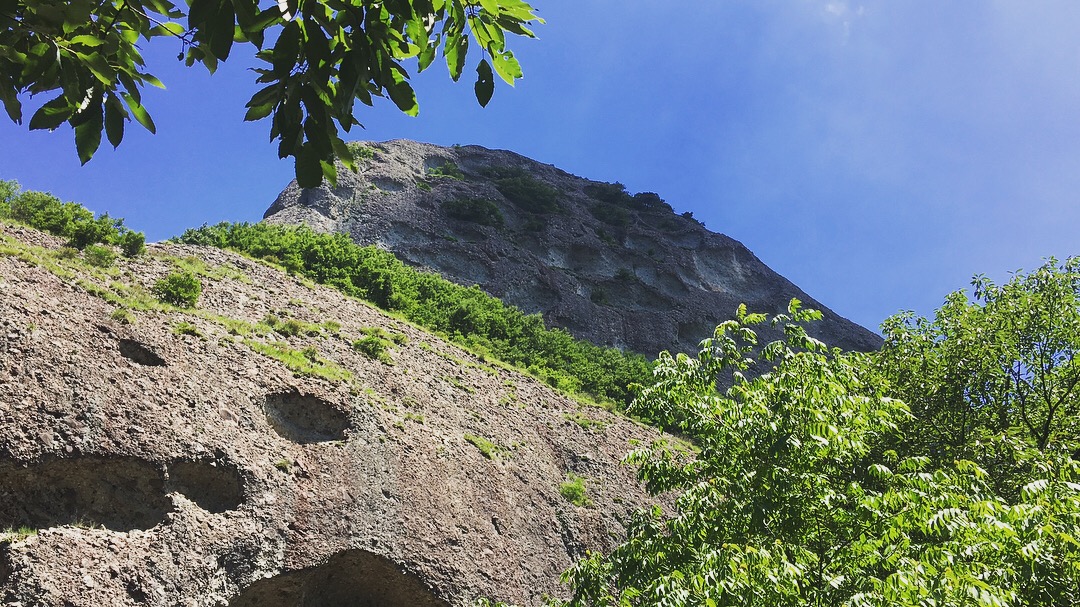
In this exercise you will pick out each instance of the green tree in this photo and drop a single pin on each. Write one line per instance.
(785, 497)
(1002, 363)
(325, 56)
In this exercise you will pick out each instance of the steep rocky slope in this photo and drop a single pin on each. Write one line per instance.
(160, 456)
(611, 268)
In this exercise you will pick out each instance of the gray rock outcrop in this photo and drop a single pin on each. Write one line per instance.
(156, 456)
(625, 272)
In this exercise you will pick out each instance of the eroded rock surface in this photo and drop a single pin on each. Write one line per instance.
(154, 456)
(641, 280)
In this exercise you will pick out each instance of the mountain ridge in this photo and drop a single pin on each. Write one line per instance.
(616, 269)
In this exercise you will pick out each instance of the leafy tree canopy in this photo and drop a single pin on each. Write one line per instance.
(326, 54)
(817, 484)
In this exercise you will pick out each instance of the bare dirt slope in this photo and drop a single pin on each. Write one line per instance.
(153, 456)
(640, 279)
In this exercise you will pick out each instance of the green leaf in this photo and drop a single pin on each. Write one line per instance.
(52, 114)
(99, 66)
(139, 112)
(455, 50)
(169, 28)
(309, 172)
(115, 116)
(403, 96)
(12, 105)
(222, 30)
(485, 83)
(507, 67)
(258, 112)
(87, 40)
(88, 131)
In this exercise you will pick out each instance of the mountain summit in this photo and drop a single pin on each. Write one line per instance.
(615, 268)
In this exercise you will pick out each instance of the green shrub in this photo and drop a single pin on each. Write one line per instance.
(611, 214)
(373, 347)
(8, 191)
(132, 244)
(573, 490)
(650, 201)
(611, 193)
(96, 255)
(70, 220)
(447, 169)
(179, 289)
(524, 190)
(86, 232)
(46, 212)
(476, 210)
(361, 151)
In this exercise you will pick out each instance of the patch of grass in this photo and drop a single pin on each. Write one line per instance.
(284, 465)
(377, 342)
(573, 490)
(291, 327)
(12, 534)
(487, 448)
(586, 422)
(123, 316)
(301, 362)
(99, 256)
(457, 383)
(415, 417)
(186, 328)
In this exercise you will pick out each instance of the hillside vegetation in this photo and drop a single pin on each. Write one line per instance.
(939, 471)
(466, 315)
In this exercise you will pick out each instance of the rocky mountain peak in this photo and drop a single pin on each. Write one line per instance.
(615, 268)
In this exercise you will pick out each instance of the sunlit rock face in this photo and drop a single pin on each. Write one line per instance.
(623, 271)
(159, 456)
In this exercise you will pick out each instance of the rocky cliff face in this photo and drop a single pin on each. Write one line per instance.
(243, 453)
(615, 269)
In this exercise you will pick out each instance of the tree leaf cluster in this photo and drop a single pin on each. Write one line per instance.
(325, 55)
(466, 315)
(941, 470)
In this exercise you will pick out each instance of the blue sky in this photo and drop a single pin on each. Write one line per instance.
(878, 154)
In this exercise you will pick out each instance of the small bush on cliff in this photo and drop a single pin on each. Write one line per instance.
(573, 490)
(525, 191)
(476, 210)
(179, 289)
(447, 169)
